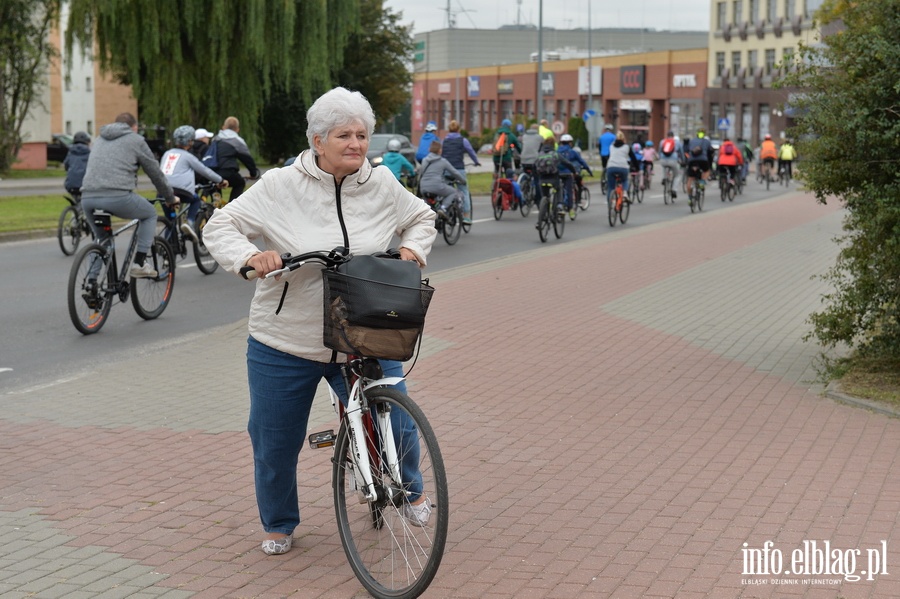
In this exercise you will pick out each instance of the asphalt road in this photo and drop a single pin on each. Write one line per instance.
(39, 343)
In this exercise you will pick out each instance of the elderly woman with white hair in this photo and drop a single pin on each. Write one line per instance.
(330, 196)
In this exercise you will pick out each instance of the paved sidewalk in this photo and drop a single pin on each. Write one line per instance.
(627, 416)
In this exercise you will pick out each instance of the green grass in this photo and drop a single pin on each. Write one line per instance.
(874, 379)
(35, 213)
(36, 174)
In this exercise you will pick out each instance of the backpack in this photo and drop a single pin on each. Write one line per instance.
(501, 143)
(729, 149)
(211, 157)
(696, 149)
(668, 146)
(547, 164)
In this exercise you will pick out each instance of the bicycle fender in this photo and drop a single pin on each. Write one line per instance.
(385, 382)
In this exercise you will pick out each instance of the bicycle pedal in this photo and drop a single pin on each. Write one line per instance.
(322, 439)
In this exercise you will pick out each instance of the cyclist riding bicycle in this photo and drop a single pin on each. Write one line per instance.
(637, 164)
(746, 154)
(566, 174)
(455, 148)
(606, 140)
(670, 152)
(429, 136)
(699, 156)
(232, 150)
(76, 161)
(396, 161)
(110, 180)
(650, 157)
(730, 159)
(768, 153)
(621, 157)
(531, 147)
(179, 165)
(786, 156)
(433, 176)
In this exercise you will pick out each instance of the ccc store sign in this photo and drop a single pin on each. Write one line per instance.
(631, 80)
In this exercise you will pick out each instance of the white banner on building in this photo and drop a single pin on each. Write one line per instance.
(590, 79)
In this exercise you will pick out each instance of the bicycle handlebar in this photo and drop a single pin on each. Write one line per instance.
(329, 260)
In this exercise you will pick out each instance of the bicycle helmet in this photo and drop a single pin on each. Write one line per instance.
(81, 138)
(649, 144)
(506, 123)
(566, 139)
(608, 127)
(768, 136)
(393, 145)
(636, 147)
(431, 126)
(183, 135)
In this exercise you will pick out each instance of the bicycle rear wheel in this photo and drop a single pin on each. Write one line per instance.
(558, 215)
(613, 214)
(69, 230)
(390, 555)
(150, 296)
(543, 224)
(452, 224)
(624, 211)
(91, 289)
(526, 184)
(205, 262)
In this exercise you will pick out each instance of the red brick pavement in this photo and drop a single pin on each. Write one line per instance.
(589, 455)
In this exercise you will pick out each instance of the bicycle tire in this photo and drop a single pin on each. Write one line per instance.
(585, 202)
(666, 187)
(638, 193)
(497, 202)
(391, 557)
(559, 216)
(89, 318)
(612, 213)
(731, 192)
(604, 184)
(543, 225)
(692, 199)
(69, 230)
(701, 195)
(150, 296)
(205, 262)
(452, 224)
(525, 184)
(624, 211)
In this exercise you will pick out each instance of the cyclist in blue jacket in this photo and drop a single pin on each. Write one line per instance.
(425, 143)
(570, 155)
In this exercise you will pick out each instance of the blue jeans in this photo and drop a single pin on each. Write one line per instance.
(611, 173)
(282, 387)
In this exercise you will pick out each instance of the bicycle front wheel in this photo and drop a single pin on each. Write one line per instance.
(497, 202)
(611, 207)
(559, 217)
(150, 296)
(90, 290)
(392, 553)
(526, 184)
(69, 230)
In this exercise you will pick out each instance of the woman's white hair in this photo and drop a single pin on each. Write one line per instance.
(337, 108)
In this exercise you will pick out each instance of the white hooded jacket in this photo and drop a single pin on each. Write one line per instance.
(295, 210)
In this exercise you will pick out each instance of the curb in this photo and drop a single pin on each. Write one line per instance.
(23, 235)
(833, 391)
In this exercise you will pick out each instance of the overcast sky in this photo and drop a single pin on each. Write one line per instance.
(428, 15)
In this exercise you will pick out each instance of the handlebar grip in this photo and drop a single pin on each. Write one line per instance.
(249, 273)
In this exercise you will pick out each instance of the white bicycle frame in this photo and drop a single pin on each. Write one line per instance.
(359, 451)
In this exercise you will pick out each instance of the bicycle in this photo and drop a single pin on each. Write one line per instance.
(451, 225)
(603, 182)
(648, 175)
(668, 185)
(95, 281)
(391, 557)
(727, 187)
(637, 191)
(618, 206)
(72, 225)
(551, 210)
(697, 195)
(169, 227)
(784, 175)
(503, 197)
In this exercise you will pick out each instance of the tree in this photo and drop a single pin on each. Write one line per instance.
(849, 143)
(578, 131)
(375, 64)
(25, 53)
(198, 61)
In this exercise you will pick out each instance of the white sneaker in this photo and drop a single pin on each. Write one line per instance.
(417, 515)
(189, 232)
(145, 271)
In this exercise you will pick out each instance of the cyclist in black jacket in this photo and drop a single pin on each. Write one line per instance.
(230, 150)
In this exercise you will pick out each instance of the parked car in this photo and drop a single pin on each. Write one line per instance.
(378, 146)
(59, 147)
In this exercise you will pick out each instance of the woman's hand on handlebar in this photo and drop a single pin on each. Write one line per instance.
(406, 254)
(265, 262)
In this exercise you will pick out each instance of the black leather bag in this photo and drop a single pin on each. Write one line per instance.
(375, 307)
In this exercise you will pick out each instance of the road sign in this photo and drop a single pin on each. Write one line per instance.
(558, 127)
(588, 114)
(723, 125)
